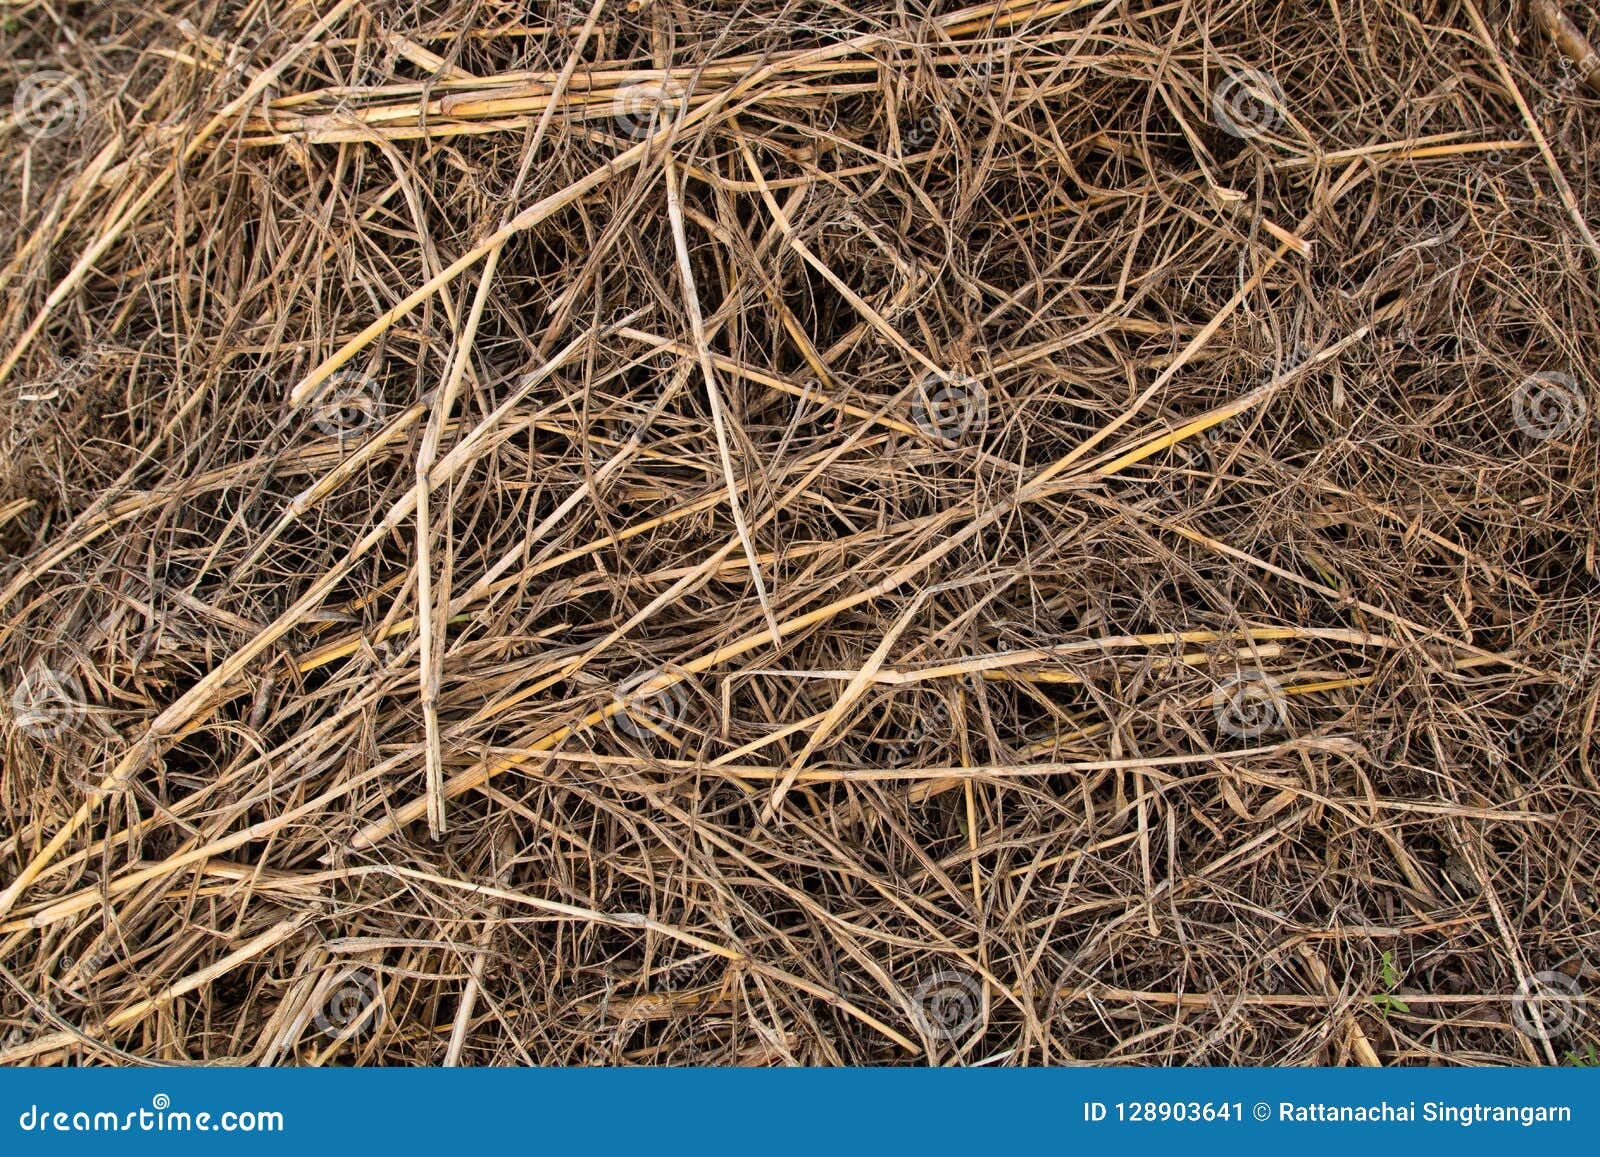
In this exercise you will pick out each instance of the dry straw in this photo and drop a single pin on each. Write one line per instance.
(783, 532)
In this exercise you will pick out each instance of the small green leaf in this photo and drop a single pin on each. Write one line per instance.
(1386, 1003)
(1387, 970)
(1588, 1059)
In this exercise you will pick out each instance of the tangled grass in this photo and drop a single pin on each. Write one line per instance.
(681, 531)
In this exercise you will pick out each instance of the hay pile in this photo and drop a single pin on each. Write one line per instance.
(785, 532)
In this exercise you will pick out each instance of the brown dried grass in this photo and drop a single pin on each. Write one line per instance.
(324, 735)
